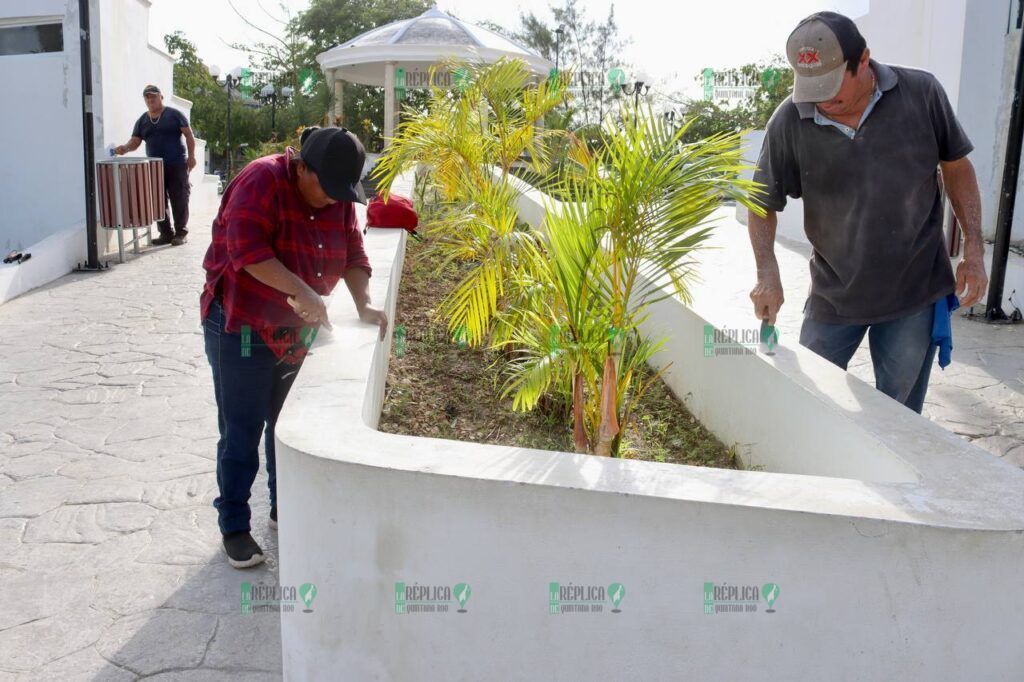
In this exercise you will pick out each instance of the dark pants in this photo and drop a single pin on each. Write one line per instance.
(177, 190)
(250, 392)
(901, 352)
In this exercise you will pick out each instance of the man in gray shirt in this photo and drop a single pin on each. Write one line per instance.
(861, 142)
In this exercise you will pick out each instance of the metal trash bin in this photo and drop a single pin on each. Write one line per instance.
(131, 196)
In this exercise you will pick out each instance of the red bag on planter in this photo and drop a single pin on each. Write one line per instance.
(397, 212)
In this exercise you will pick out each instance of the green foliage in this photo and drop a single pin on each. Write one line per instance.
(708, 118)
(564, 303)
(250, 122)
(775, 79)
(638, 210)
(470, 140)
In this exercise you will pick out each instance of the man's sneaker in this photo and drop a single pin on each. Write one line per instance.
(242, 550)
(273, 518)
(178, 241)
(162, 241)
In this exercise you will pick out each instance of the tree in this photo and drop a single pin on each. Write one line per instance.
(776, 83)
(774, 80)
(587, 48)
(707, 118)
(639, 208)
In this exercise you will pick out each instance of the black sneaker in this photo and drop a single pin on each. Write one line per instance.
(242, 550)
(273, 518)
(162, 241)
(178, 241)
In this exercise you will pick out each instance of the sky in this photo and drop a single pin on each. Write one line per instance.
(670, 43)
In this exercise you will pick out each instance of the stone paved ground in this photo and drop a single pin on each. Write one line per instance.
(110, 563)
(110, 560)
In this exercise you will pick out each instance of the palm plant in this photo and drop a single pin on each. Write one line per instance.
(639, 207)
(470, 140)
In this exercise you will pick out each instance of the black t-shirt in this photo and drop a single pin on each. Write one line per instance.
(163, 138)
(871, 204)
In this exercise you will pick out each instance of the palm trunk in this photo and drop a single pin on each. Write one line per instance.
(609, 419)
(579, 432)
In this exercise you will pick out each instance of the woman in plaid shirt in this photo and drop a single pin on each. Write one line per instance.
(285, 234)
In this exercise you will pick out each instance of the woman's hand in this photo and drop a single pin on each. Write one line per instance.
(376, 316)
(310, 307)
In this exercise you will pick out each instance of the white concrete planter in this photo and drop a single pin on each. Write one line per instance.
(896, 547)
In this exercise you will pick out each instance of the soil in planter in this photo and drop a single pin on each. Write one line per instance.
(437, 388)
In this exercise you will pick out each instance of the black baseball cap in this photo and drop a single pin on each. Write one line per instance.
(337, 157)
(150, 89)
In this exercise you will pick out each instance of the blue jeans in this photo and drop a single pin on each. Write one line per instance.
(250, 392)
(901, 352)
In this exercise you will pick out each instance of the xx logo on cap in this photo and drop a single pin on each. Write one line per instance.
(809, 57)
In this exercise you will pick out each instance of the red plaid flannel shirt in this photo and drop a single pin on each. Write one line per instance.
(262, 215)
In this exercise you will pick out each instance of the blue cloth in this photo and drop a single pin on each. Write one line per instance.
(942, 327)
(250, 386)
(902, 352)
(823, 120)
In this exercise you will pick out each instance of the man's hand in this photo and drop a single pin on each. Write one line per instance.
(191, 163)
(767, 297)
(310, 307)
(971, 281)
(376, 316)
(120, 149)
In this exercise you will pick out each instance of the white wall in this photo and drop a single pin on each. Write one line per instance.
(41, 185)
(966, 45)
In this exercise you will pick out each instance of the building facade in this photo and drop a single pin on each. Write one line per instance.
(42, 189)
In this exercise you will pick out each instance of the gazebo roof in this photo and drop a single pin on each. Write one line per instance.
(418, 43)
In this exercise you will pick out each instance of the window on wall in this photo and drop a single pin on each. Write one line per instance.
(31, 39)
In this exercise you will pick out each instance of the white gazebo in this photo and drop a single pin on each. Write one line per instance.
(401, 54)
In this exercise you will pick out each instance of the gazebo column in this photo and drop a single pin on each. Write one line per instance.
(389, 102)
(339, 99)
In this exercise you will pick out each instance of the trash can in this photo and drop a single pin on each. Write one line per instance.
(131, 196)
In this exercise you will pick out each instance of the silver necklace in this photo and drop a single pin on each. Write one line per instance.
(158, 117)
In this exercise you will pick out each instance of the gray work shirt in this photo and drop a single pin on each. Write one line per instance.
(871, 202)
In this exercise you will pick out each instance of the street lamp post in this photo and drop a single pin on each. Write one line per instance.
(638, 88)
(269, 94)
(229, 80)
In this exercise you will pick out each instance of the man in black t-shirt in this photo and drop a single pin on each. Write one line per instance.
(161, 128)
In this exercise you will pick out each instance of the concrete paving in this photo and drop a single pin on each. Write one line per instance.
(110, 560)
